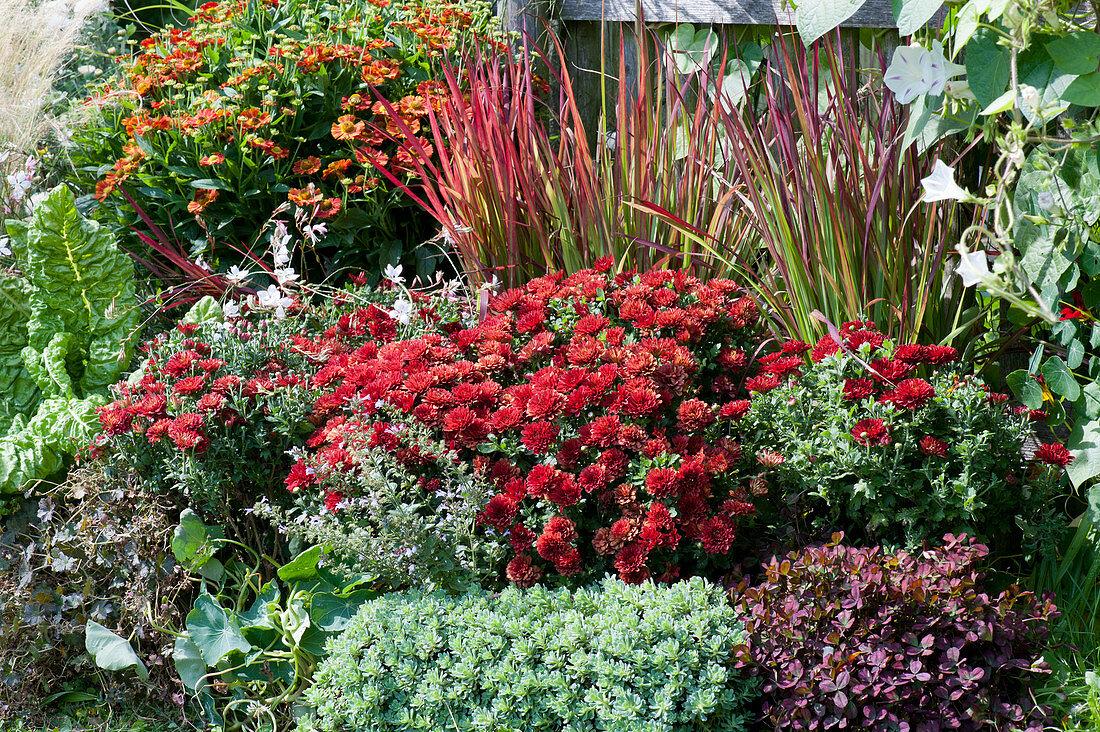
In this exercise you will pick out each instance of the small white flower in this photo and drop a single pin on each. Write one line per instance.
(20, 182)
(915, 70)
(402, 311)
(5, 250)
(231, 310)
(86, 69)
(285, 276)
(274, 298)
(201, 263)
(236, 275)
(941, 185)
(315, 232)
(973, 267)
(393, 274)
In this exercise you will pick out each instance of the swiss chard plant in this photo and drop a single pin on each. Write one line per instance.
(68, 317)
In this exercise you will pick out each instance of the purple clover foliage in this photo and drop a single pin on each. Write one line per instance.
(849, 638)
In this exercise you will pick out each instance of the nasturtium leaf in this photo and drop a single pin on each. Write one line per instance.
(1026, 388)
(332, 613)
(988, 67)
(189, 537)
(214, 630)
(1077, 53)
(1084, 445)
(302, 567)
(1060, 380)
(1089, 403)
(110, 650)
(1075, 354)
(189, 664)
(264, 608)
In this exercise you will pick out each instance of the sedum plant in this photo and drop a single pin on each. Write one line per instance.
(70, 316)
(610, 657)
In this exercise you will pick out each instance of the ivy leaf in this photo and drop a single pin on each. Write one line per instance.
(1060, 379)
(110, 650)
(1026, 388)
(214, 631)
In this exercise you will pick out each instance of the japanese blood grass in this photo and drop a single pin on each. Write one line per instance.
(520, 191)
(830, 194)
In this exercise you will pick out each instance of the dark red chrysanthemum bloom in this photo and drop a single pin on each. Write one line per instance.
(868, 432)
(151, 405)
(300, 476)
(189, 385)
(115, 420)
(180, 363)
(662, 482)
(857, 389)
(210, 402)
(333, 501)
(716, 534)
(795, 347)
(539, 437)
(825, 347)
(763, 383)
(631, 558)
(735, 409)
(1054, 454)
(910, 353)
(157, 430)
(694, 415)
(888, 369)
(859, 338)
(499, 512)
(781, 367)
(522, 572)
(933, 447)
(521, 538)
(911, 394)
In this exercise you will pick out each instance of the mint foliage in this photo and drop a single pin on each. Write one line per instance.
(67, 322)
(611, 656)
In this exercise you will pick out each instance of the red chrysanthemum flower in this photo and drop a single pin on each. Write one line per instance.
(763, 383)
(539, 437)
(888, 369)
(716, 534)
(499, 512)
(333, 501)
(933, 447)
(735, 409)
(662, 482)
(522, 572)
(871, 432)
(910, 353)
(825, 347)
(178, 364)
(189, 385)
(911, 394)
(858, 389)
(940, 355)
(1053, 454)
(300, 475)
(521, 538)
(694, 415)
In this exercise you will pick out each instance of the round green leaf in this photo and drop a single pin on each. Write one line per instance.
(110, 650)
(303, 567)
(1060, 379)
(214, 631)
(988, 67)
(1026, 388)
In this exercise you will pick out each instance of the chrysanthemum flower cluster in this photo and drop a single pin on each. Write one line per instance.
(894, 443)
(602, 408)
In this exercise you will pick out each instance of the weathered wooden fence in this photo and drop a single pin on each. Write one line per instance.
(591, 28)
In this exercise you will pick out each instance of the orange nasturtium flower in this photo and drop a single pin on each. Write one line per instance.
(347, 127)
(203, 198)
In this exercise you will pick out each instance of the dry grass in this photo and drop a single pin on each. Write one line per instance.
(35, 38)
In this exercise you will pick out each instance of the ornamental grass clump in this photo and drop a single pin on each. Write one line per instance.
(894, 444)
(601, 409)
(607, 657)
(255, 105)
(867, 638)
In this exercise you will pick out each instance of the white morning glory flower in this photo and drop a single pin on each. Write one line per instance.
(973, 267)
(915, 70)
(941, 185)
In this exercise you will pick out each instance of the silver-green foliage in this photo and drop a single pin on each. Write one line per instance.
(614, 657)
(66, 326)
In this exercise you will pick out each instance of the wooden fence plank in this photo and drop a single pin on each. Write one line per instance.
(874, 14)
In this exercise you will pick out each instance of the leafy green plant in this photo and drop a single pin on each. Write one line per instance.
(253, 107)
(610, 656)
(895, 444)
(71, 315)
